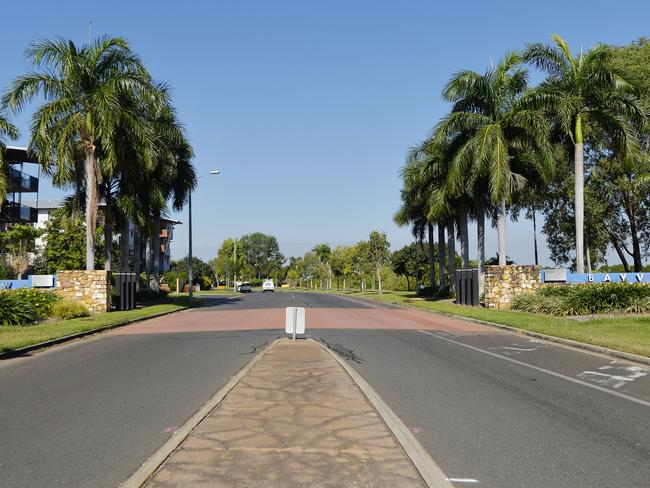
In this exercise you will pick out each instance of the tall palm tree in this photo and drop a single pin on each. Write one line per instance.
(496, 133)
(580, 91)
(84, 88)
(7, 130)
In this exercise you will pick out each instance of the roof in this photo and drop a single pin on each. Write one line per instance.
(17, 154)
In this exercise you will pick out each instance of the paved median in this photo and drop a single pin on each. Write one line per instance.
(296, 419)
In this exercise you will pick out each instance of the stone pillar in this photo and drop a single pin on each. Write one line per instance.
(503, 283)
(92, 288)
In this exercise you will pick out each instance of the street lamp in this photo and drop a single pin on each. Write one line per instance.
(189, 201)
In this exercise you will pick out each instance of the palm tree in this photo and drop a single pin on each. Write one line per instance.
(10, 131)
(84, 89)
(495, 134)
(582, 91)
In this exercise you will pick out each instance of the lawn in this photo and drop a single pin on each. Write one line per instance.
(625, 333)
(15, 337)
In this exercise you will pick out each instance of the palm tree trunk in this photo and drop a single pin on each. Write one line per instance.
(108, 234)
(124, 246)
(501, 230)
(579, 196)
(451, 255)
(148, 264)
(156, 253)
(432, 257)
(137, 255)
(90, 169)
(535, 236)
(464, 238)
(441, 257)
(480, 245)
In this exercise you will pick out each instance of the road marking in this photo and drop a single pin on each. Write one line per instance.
(623, 374)
(542, 370)
(463, 480)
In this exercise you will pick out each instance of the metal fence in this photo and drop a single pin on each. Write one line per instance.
(467, 287)
(125, 287)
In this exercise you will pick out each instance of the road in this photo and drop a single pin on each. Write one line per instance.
(494, 409)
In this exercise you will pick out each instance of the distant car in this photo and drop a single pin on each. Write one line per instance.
(245, 287)
(268, 286)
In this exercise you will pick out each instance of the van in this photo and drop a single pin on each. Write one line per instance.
(268, 286)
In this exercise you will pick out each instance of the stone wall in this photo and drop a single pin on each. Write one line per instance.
(502, 283)
(92, 288)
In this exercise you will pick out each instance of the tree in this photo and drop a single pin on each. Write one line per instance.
(202, 272)
(7, 130)
(262, 252)
(582, 93)
(17, 243)
(89, 92)
(411, 262)
(324, 251)
(378, 253)
(498, 135)
(65, 243)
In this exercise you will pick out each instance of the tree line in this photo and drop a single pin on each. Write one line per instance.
(107, 130)
(574, 147)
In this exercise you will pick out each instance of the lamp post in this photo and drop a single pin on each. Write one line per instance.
(189, 201)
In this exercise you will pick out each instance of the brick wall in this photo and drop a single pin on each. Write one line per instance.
(502, 283)
(92, 288)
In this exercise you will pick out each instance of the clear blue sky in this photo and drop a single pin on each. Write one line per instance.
(308, 108)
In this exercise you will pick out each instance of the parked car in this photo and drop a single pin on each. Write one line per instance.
(245, 287)
(268, 286)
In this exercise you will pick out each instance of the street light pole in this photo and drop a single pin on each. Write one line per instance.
(189, 201)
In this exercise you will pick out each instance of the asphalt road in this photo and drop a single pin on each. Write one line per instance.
(493, 409)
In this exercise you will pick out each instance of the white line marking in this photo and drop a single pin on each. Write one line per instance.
(463, 480)
(627, 374)
(542, 370)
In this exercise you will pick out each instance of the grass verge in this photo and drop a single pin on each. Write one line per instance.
(624, 333)
(12, 338)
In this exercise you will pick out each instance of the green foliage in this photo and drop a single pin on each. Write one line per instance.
(563, 300)
(201, 271)
(7, 272)
(13, 311)
(146, 295)
(65, 243)
(411, 261)
(262, 253)
(37, 305)
(67, 309)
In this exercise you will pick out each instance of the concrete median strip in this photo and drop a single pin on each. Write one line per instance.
(297, 415)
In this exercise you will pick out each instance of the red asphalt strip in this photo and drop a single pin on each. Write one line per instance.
(206, 320)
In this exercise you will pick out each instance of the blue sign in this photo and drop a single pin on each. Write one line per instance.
(608, 277)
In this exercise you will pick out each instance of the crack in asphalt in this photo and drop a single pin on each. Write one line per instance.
(347, 354)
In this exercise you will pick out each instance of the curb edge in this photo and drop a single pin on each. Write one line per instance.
(424, 464)
(157, 459)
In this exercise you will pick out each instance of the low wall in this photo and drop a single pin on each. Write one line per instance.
(502, 283)
(92, 288)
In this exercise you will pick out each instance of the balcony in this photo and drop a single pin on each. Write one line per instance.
(15, 212)
(20, 182)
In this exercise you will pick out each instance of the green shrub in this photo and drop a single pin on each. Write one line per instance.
(601, 298)
(147, 295)
(13, 311)
(41, 300)
(25, 306)
(67, 309)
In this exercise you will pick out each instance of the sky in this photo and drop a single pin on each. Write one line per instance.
(308, 108)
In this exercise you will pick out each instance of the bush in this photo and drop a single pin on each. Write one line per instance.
(41, 300)
(67, 309)
(13, 311)
(586, 299)
(147, 295)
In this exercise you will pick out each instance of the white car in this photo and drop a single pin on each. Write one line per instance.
(268, 286)
(245, 287)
